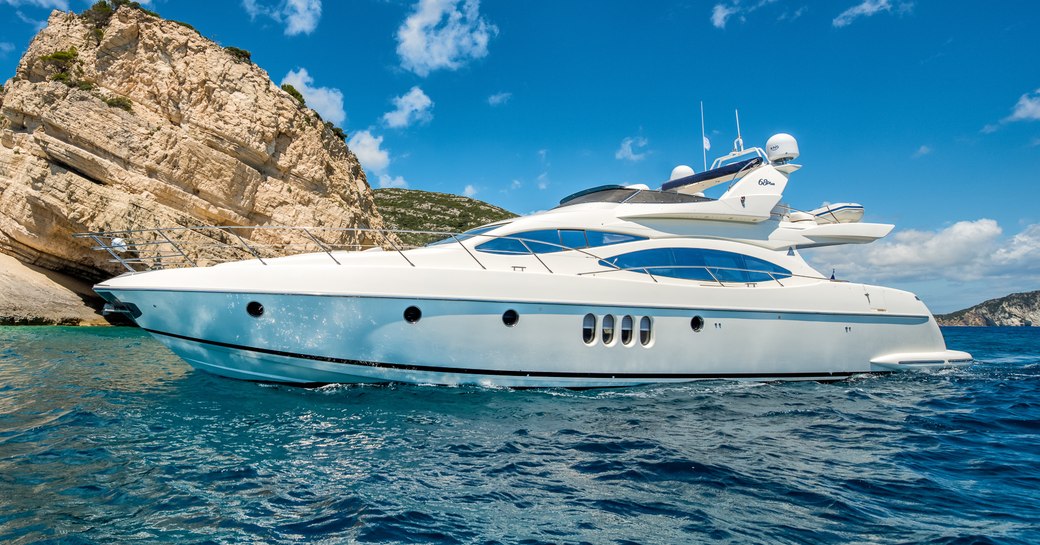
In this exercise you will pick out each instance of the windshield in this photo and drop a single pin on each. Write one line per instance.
(467, 235)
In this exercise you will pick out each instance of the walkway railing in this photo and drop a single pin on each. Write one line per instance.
(142, 250)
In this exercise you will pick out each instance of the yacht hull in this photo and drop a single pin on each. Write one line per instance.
(310, 338)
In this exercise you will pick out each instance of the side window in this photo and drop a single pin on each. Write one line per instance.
(698, 264)
(502, 246)
(573, 238)
(603, 238)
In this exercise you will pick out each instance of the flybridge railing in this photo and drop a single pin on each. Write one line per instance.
(142, 250)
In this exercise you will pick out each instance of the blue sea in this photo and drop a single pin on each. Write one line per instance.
(106, 437)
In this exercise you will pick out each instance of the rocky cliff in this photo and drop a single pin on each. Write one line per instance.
(124, 120)
(1017, 309)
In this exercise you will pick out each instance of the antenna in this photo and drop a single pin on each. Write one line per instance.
(704, 140)
(738, 144)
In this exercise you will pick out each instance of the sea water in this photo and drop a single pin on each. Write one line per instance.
(106, 437)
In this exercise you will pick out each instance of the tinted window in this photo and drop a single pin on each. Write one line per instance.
(699, 264)
(547, 241)
(466, 235)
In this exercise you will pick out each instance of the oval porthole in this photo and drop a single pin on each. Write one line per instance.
(608, 329)
(255, 309)
(626, 331)
(588, 329)
(645, 330)
(510, 317)
(697, 323)
(412, 314)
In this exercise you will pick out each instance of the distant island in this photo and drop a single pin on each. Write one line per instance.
(1017, 309)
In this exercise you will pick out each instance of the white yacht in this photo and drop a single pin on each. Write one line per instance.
(616, 286)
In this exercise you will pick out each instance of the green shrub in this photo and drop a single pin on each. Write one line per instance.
(98, 14)
(336, 130)
(294, 93)
(63, 77)
(84, 85)
(61, 60)
(120, 102)
(98, 35)
(240, 55)
(183, 24)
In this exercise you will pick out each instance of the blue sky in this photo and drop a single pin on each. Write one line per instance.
(926, 112)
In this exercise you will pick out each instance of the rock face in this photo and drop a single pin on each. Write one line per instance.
(140, 122)
(416, 210)
(34, 296)
(1017, 309)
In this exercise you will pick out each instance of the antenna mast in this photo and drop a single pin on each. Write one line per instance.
(738, 143)
(704, 148)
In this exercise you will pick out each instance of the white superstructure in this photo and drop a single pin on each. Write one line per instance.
(616, 286)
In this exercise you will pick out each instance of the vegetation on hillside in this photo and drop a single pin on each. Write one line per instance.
(995, 311)
(294, 93)
(415, 210)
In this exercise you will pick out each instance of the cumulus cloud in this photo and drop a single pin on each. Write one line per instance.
(499, 99)
(327, 101)
(922, 151)
(627, 150)
(298, 16)
(868, 8)
(964, 251)
(721, 13)
(411, 107)
(369, 151)
(469, 191)
(443, 34)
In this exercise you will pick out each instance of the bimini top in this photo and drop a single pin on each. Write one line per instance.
(731, 171)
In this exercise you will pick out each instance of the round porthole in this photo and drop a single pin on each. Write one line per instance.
(255, 309)
(588, 329)
(510, 317)
(697, 323)
(412, 314)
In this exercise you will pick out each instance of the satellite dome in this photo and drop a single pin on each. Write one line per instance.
(681, 171)
(781, 148)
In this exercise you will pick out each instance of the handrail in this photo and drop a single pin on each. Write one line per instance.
(147, 249)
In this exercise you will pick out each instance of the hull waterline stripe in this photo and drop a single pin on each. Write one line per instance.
(511, 373)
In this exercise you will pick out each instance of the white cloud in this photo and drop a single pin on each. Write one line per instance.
(369, 151)
(867, 8)
(499, 99)
(385, 180)
(413, 106)
(5, 48)
(543, 180)
(298, 16)
(443, 34)
(48, 4)
(963, 252)
(517, 184)
(469, 191)
(722, 13)
(327, 101)
(626, 151)
(1027, 108)
(922, 151)
(792, 15)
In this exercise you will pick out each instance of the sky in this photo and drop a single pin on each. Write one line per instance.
(927, 112)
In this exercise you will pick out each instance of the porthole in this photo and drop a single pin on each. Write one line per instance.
(255, 309)
(588, 329)
(626, 331)
(697, 323)
(510, 317)
(412, 314)
(645, 330)
(608, 329)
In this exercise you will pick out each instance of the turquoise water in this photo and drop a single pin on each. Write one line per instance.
(105, 437)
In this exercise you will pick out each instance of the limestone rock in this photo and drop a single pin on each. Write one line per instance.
(152, 125)
(1017, 309)
(34, 296)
